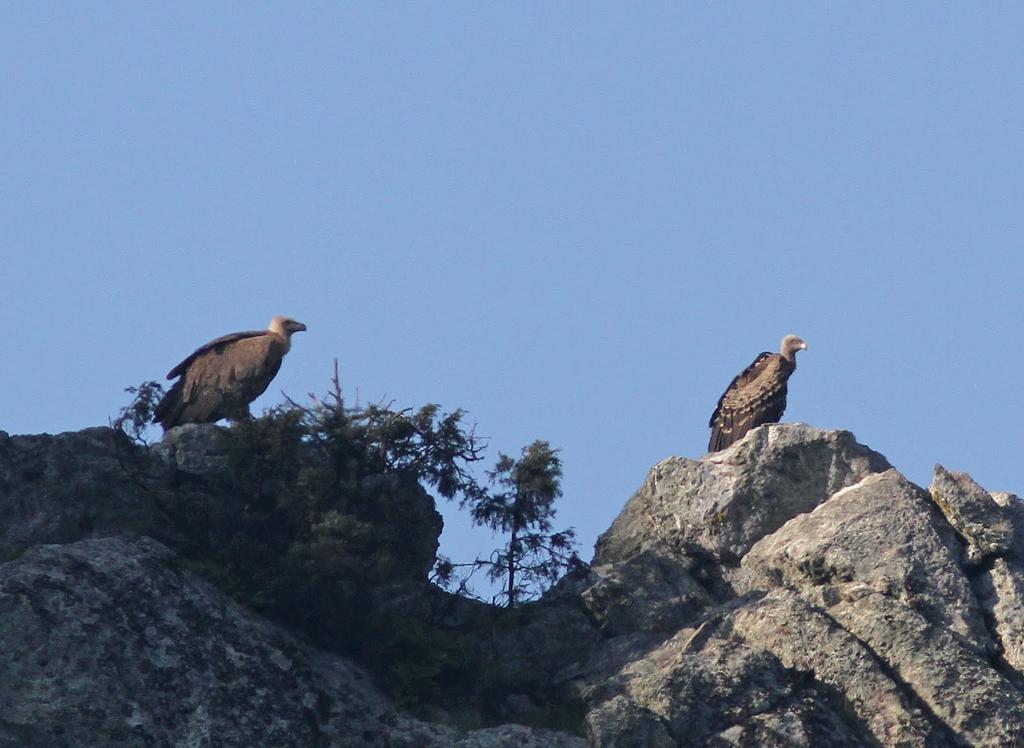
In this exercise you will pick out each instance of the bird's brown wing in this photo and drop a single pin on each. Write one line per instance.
(756, 396)
(178, 370)
(239, 370)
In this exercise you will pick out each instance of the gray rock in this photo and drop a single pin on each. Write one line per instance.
(644, 593)
(807, 639)
(96, 483)
(882, 534)
(194, 448)
(105, 638)
(851, 620)
(56, 489)
(973, 513)
(1000, 587)
(807, 722)
(620, 722)
(1001, 592)
(884, 568)
(518, 736)
(953, 682)
(726, 502)
(107, 642)
(698, 688)
(705, 687)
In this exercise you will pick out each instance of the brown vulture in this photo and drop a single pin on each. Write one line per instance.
(221, 378)
(757, 395)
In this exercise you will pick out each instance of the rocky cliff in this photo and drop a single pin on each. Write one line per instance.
(793, 590)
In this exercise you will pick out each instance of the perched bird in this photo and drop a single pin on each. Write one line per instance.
(221, 378)
(757, 395)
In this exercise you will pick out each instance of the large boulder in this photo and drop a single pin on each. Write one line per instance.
(705, 687)
(807, 639)
(726, 502)
(647, 592)
(883, 564)
(109, 642)
(195, 449)
(817, 597)
(57, 489)
(94, 483)
(973, 513)
(676, 546)
(882, 534)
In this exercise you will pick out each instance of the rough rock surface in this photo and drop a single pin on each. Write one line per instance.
(648, 592)
(726, 502)
(1000, 587)
(973, 513)
(808, 639)
(56, 489)
(106, 640)
(194, 448)
(820, 599)
(106, 637)
(881, 534)
(888, 569)
(792, 590)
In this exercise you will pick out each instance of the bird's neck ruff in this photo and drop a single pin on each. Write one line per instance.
(277, 328)
(789, 347)
(285, 336)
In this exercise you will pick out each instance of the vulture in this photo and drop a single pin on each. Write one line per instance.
(757, 395)
(221, 378)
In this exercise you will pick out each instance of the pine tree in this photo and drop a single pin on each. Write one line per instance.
(522, 505)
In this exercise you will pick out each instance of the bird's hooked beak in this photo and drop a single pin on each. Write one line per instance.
(297, 327)
(803, 343)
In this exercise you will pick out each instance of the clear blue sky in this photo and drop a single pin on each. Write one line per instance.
(576, 220)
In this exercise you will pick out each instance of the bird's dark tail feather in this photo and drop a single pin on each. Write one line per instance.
(722, 433)
(719, 440)
(169, 408)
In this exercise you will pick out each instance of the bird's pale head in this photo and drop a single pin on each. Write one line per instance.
(285, 326)
(790, 345)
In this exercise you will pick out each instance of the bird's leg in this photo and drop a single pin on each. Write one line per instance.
(241, 416)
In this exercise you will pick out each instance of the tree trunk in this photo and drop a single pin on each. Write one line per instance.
(512, 570)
